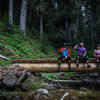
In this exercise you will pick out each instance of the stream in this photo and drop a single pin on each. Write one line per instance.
(48, 86)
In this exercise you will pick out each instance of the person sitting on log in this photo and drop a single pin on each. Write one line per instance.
(65, 55)
(81, 54)
(97, 55)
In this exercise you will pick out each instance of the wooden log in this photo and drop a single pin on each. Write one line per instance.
(51, 65)
(92, 60)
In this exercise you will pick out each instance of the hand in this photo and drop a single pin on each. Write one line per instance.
(65, 58)
(98, 56)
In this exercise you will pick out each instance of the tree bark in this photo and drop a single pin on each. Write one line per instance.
(41, 26)
(23, 17)
(11, 12)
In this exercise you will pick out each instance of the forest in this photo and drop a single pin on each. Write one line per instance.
(31, 35)
(56, 21)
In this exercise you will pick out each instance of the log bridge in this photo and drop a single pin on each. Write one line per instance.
(51, 65)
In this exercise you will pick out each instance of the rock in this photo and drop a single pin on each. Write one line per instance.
(41, 94)
(9, 79)
(21, 68)
(73, 98)
(28, 74)
(18, 73)
(1, 77)
(0, 70)
(50, 86)
(18, 97)
(86, 81)
(98, 81)
(14, 72)
(94, 75)
(83, 89)
(0, 83)
(3, 97)
(82, 94)
(43, 91)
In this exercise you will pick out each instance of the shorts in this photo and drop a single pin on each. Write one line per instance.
(98, 59)
(61, 58)
(82, 58)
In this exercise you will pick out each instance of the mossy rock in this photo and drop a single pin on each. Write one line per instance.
(32, 83)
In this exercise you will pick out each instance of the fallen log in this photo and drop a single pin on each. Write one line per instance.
(83, 81)
(51, 65)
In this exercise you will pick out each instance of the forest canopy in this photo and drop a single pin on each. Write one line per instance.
(56, 21)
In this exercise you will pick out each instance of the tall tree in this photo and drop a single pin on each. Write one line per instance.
(41, 26)
(11, 12)
(23, 17)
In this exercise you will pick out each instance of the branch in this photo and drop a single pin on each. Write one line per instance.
(66, 94)
(11, 51)
(5, 58)
(62, 81)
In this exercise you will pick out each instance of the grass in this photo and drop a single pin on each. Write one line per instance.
(69, 74)
(49, 75)
(29, 48)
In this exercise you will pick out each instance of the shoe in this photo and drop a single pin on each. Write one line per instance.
(89, 66)
(68, 67)
(77, 64)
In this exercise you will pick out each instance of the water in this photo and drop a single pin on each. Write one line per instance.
(73, 95)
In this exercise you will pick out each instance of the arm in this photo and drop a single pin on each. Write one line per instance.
(61, 50)
(85, 53)
(94, 53)
(76, 47)
(69, 52)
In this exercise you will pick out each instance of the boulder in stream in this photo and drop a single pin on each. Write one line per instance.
(9, 79)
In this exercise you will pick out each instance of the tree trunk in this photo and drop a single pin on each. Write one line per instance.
(23, 17)
(51, 65)
(11, 12)
(66, 28)
(41, 26)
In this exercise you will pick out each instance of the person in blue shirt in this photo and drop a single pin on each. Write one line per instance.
(64, 55)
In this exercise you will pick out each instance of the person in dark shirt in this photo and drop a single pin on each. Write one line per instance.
(64, 55)
(81, 54)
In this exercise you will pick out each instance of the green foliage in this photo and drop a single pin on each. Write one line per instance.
(31, 47)
(33, 83)
(68, 74)
(27, 49)
(49, 75)
(36, 85)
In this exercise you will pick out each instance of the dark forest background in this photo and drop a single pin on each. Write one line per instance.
(51, 22)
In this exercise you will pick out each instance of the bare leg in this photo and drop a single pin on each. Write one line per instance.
(87, 61)
(77, 61)
(97, 63)
(88, 64)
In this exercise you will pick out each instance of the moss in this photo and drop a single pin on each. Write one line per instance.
(36, 85)
(49, 75)
(69, 74)
(33, 83)
(10, 94)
